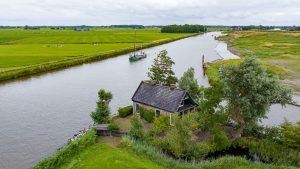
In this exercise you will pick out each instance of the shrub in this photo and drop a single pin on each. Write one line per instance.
(125, 143)
(66, 153)
(291, 134)
(219, 138)
(270, 151)
(147, 114)
(125, 111)
(160, 124)
(136, 130)
(113, 126)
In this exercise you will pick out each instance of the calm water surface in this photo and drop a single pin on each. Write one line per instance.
(38, 115)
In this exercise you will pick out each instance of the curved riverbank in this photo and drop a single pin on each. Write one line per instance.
(58, 65)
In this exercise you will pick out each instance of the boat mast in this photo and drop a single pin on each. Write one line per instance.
(134, 41)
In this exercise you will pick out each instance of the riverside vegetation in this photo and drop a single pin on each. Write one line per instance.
(193, 139)
(26, 52)
(279, 49)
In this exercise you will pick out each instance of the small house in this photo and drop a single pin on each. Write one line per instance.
(162, 99)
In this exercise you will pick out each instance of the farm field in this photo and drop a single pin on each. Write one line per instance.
(281, 49)
(24, 52)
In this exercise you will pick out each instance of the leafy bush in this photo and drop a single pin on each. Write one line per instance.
(262, 132)
(125, 111)
(270, 151)
(113, 126)
(160, 124)
(219, 139)
(156, 155)
(147, 114)
(291, 134)
(125, 143)
(136, 130)
(66, 153)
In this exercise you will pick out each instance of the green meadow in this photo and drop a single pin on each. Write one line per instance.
(25, 52)
(281, 49)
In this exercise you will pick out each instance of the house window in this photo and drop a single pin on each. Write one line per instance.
(137, 107)
(157, 113)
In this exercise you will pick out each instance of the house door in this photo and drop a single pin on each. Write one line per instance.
(137, 108)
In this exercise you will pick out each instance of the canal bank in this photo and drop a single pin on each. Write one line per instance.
(39, 114)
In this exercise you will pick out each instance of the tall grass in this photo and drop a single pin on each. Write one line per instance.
(157, 156)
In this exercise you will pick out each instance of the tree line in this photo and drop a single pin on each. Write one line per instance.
(183, 29)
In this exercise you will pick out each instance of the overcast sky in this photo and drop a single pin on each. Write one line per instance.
(149, 12)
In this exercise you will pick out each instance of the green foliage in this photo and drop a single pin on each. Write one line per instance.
(65, 154)
(178, 140)
(125, 111)
(262, 132)
(190, 84)
(113, 126)
(161, 71)
(105, 96)
(250, 92)
(147, 114)
(102, 113)
(156, 155)
(291, 134)
(219, 139)
(136, 131)
(125, 143)
(160, 124)
(270, 151)
(183, 29)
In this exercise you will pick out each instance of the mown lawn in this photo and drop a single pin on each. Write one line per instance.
(281, 49)
(102, 156)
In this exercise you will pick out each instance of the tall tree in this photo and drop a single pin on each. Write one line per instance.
(190, 84)
(102, 113)
(161, 71)
(250, 91)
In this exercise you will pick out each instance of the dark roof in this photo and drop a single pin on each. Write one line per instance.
(158, 96)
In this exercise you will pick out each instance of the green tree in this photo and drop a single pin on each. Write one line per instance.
(250, 91)
(102, 113)
(190, 84)
(161, 71)
(136, 131)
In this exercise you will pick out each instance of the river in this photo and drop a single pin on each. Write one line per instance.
(39, 114)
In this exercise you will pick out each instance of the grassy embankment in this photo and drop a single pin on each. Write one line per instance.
(279, 51)
(26, 52)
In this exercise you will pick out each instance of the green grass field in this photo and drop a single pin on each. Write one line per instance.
(278, 48)
(21, 49)
(102, 156)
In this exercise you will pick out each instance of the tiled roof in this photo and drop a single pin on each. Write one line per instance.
(158, 96)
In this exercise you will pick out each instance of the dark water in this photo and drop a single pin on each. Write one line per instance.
(38, 115)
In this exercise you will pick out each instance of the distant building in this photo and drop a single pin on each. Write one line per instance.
(81, 28)
(162, 99)
(236, 28)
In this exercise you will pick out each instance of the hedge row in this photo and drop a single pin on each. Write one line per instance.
(125, 111)
(147, 114)
(64, 154)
